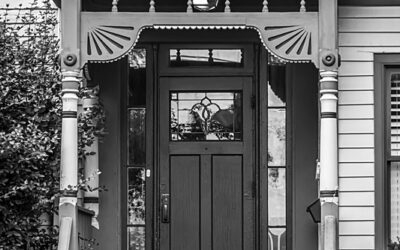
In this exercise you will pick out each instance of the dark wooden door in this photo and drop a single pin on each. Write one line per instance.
(206, 151)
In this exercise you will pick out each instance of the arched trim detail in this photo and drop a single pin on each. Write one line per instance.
(291, 37)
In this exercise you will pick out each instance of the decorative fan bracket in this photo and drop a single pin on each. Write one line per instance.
(109, 36)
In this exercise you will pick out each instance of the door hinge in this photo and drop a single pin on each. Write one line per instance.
(253, 101)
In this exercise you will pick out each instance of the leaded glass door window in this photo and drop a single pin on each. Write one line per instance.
(206, 116)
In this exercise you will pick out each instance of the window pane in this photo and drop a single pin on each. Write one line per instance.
(277, 197)
(200, 116)
(395, 114)
(395, 200)
(276, 85)
(136, 238)
(276, 137)
(137, 136)
(136, 196)
(277, 238)
(137, 78)
(206, 57)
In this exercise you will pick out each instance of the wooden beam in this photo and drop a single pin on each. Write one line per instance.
(328, 38)
(70, 34)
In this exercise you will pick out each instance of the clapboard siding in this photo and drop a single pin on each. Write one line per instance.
(356, 141)
(356, 69)
(356, 83)
(356, 169)
(364, 53)
(356, 184)
(356, 198)
(354, 126)
(369, 25)
(363, 31)
(372, 12)
(356, 213)
(356, 97)
(369, 39)
(356, 112)
(356, 242)
(356, 228)
(356, 155)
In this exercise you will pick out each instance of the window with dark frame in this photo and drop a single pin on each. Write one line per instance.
(393, 151)
(277, 162)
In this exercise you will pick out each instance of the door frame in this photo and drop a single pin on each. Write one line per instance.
(259, 74)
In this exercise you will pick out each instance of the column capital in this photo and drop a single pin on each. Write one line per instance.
(328, 81)
(70, 82)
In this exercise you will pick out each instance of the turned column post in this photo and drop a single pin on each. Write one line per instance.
(328, 151)
(70, 69)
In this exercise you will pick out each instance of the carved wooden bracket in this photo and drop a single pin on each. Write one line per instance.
(108, 36)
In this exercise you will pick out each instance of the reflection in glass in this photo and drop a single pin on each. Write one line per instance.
(277, 238)
(395, 201)
(205, 5)
(276, 137)
(206, 57)
(276, 85)
(137, 58)
(136, 238)
(199, 116)
(136, 196)
(274, 100)
(276, 197)
(137, 138)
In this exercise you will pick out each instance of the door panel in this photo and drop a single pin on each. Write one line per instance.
(227, 203)
(208, 177)
(185, 201)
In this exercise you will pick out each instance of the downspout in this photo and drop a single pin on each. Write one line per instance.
(70, 57)
(328, 151)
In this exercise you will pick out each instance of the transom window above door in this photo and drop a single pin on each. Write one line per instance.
(206, 116)
(205, 57)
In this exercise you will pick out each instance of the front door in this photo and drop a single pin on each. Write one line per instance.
(206, 159)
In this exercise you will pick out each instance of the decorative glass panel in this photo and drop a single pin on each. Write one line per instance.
(277, 238)
(277, 137)
(206, 57)
(395, 114)
(137, 136)
(136, 196)
(200, 116)
(276, 197)
(136, 238)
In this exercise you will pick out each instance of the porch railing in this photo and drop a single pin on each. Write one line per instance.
(76, 230)
(264, 5)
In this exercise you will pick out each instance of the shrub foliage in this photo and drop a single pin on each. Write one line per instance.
(30, 128)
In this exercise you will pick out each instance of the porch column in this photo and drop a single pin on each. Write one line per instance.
(69, 156)
(91, 197)
(70, 69)
(328, 151)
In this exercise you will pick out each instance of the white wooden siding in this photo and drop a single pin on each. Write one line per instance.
(363, 31)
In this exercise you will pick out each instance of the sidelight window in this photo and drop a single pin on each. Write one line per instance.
(136, 155)
(277, 171)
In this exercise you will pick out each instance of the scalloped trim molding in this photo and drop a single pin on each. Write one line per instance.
(291, 37)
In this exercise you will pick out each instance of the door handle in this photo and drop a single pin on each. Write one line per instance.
(165, 208)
